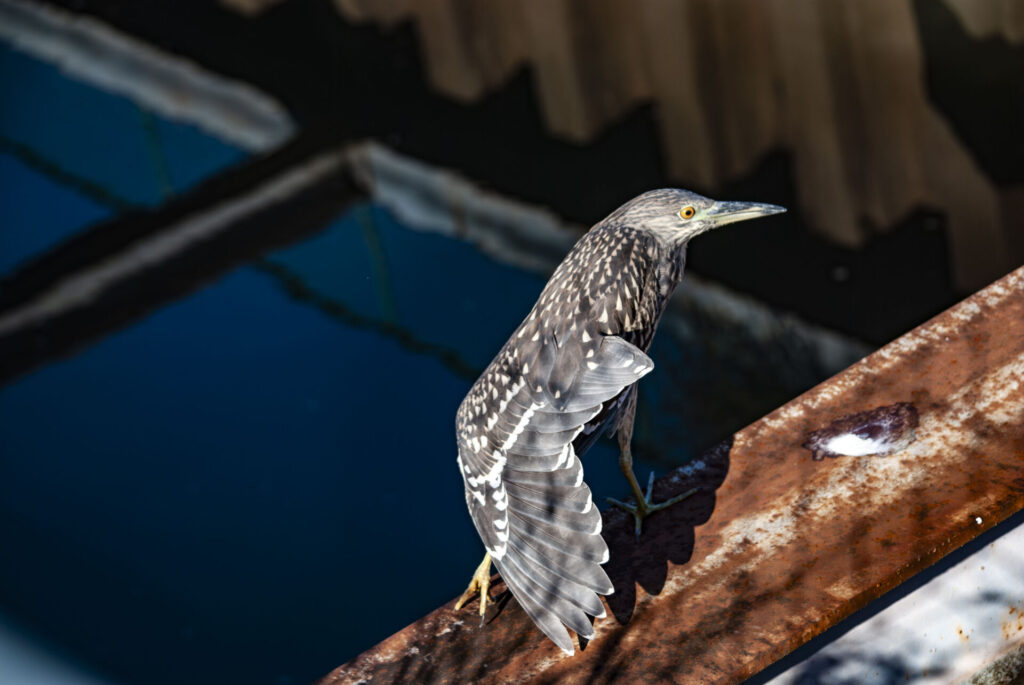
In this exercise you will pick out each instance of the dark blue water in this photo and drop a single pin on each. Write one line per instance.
(108, 140)
(70, 155)
(258, 481)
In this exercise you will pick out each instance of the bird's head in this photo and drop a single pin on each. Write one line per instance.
(677, 215)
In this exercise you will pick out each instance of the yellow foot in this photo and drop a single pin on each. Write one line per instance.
(481, 583)
(644, 507)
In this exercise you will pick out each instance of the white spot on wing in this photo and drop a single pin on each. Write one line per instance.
(520, 427)
(493, 475)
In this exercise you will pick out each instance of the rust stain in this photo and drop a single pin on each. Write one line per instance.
(1013, 626)
(776, 548)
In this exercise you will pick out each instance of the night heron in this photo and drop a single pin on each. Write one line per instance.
(567, 374)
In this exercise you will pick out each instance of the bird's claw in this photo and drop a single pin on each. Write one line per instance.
(644, 507)
(480, 583)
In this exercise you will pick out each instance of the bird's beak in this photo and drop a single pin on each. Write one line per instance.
(722, 213)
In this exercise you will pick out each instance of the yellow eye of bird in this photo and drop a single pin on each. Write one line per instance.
(687, 212)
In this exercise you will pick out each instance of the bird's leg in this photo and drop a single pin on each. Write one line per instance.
(643, 506)
(481, 582)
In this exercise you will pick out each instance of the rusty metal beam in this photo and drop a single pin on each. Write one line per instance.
(777, 546)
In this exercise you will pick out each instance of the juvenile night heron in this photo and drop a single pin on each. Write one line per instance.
(567, 374)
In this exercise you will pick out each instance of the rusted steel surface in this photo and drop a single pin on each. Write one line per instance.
(777, 547)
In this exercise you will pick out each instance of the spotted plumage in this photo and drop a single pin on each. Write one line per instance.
(565, 375)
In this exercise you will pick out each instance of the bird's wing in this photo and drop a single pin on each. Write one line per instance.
(524, 482)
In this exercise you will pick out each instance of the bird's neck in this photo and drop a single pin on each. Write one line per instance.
(670, 270)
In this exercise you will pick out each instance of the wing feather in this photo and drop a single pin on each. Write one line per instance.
(569, 477)
(544, 618)
(550, 421)
(539, 569)
(524, 481)
(588, 522)
(515, 568)
(565, 497)
(564, 565)
(588, 548)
